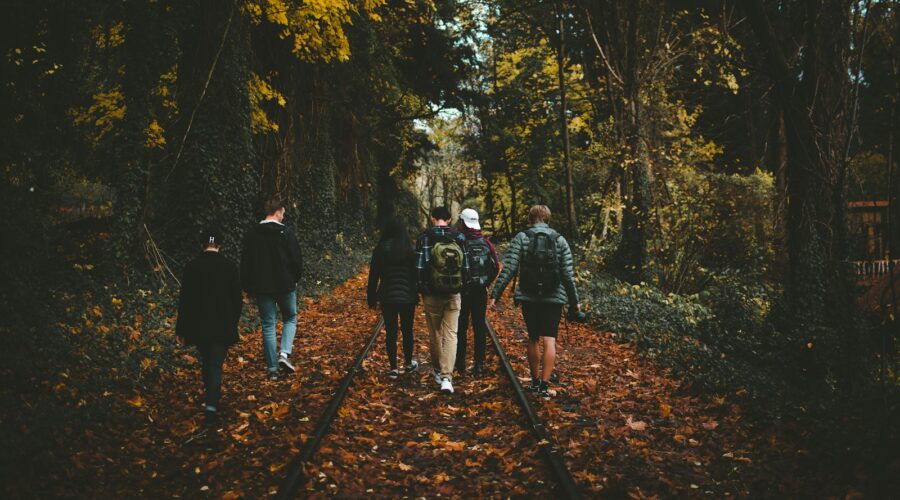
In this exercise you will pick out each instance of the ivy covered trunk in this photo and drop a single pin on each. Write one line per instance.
(144, 53)
(213, 181)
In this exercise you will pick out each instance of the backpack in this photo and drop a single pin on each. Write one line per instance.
(445, 266)
(481, 267)
(539, 270)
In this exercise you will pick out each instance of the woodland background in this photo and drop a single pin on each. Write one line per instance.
(701, 155)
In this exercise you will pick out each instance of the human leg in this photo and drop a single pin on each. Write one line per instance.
(461, 333)
(448, 337)
(479, 325)
(390, 312)
(550, 327)
(433, 315)
(266, 305)
(287, 304)
(407, 315)
(532, 314)
(213, 357)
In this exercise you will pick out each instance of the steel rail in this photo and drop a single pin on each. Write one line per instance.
(547, 447)
(296, 472)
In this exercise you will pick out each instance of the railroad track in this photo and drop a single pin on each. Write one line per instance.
(296, 476)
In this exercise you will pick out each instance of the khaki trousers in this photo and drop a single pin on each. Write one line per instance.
(442, 316)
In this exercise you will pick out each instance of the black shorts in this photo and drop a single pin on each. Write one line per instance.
(541, 320)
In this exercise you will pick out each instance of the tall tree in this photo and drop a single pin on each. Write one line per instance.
(814, 96)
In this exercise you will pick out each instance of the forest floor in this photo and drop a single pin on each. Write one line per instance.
(625, 428)
(116, 411)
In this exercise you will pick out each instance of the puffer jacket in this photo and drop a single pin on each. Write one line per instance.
(392, 276)
(565, 293)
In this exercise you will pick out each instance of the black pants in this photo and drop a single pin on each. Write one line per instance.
(404, 313)
(474, 303)
(541, 320)
(212, 357)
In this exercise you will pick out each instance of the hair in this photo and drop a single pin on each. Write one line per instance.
(441, 213)
(395, 239)
(272, 205)
(539, 213)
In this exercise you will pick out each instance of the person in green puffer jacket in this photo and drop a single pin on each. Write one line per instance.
(544, 262)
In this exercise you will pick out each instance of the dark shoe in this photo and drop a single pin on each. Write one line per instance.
(535, 385)
(544, 389)
(478, 371)
(393, 374)
(273, 376)
(412, 367)
(211, 414)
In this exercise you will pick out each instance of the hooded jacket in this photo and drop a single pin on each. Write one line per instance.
(209, 305)
(271, 261)
(565, 292)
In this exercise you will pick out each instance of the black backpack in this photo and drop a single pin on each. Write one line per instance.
(481, 266)
(539, 269)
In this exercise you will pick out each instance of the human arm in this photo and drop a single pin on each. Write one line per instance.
(510, 266)
(374, 275)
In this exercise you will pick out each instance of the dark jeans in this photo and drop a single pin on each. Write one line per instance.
(404, 313)
(474, 303)
(541, 320)
(212, 357)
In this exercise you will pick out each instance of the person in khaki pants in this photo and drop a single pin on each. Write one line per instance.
(442, 267)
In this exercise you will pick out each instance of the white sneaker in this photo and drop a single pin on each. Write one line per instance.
(285, 363)
(412, 367)
(446, 386)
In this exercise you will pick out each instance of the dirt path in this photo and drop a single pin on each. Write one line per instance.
(624, 426)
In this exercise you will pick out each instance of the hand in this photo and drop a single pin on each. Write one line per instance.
(246, 298)
(180, 341)
(492, 304)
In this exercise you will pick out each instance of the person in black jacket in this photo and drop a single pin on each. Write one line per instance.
(209, 308)
(392, 283)
(483, 268)
(271, 265)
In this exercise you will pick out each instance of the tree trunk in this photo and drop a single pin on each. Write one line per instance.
(564, 128)
(817, 289)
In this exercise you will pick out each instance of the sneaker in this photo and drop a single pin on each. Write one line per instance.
(393, 374)
(285, 364)
(478, 371)
(437, 376)
(412, 367)
(535, 385)
(446, 386)
(273, 376)
(544, 389)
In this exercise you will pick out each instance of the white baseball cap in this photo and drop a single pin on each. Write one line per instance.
(470, 219)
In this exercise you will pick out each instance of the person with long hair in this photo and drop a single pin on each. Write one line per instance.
(392, 283)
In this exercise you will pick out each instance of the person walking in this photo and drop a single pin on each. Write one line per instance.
(543, 260)
(271, 265)
(483, 268)
(209, 307)
(392, 283)
(442, 267)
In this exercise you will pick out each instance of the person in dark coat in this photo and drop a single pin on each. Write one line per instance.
(271, 266)
(483, 268)
(209, 307)
(392, 283)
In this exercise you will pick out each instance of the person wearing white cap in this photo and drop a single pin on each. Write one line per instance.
(483, 268)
